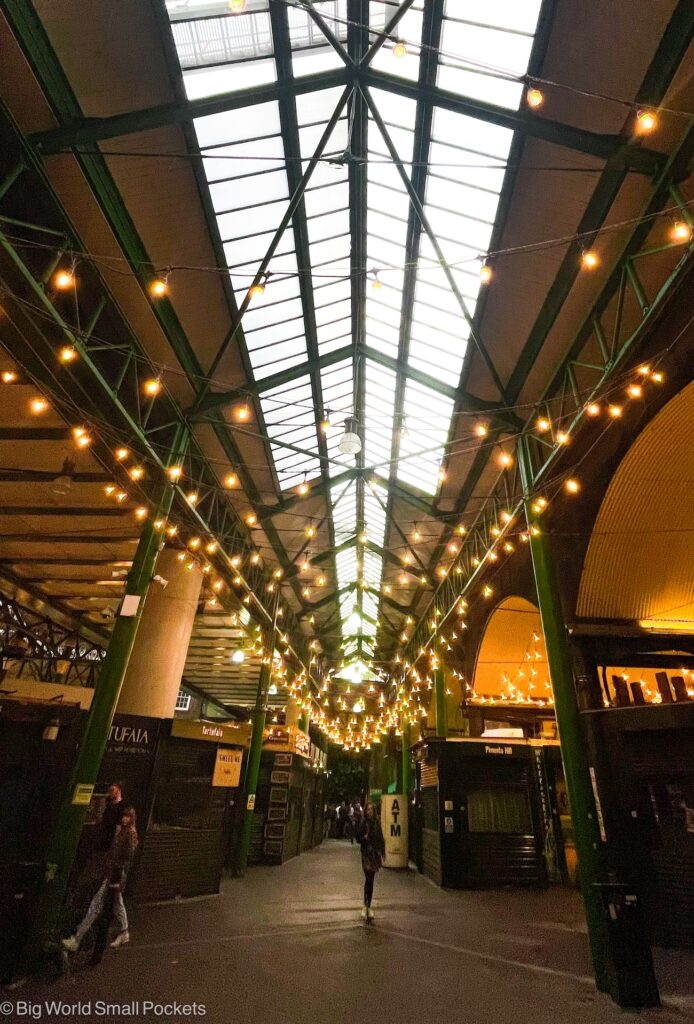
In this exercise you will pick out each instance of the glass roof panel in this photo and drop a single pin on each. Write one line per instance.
(484, 52)
(427, 417)
(409, 29)
(236, 192)
(207, 40)
(289, 417)
(210, 81)
(375, 502)
(378, 403)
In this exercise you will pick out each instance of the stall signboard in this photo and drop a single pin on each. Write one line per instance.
(302, 744)
(394, 825)
(287, 738)
(227, 767)
(236, 733)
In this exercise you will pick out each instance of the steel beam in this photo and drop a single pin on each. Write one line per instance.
(635, 156)
(85, 132)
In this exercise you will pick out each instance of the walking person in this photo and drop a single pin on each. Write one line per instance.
(119, 860)
(373, 850)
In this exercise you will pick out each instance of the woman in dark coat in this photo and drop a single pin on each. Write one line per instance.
(120, 857)
(373, 849)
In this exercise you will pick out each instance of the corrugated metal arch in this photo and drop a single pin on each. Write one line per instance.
(640, 560)
(507, 640)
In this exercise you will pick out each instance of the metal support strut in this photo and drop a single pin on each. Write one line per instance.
(589, 846)
(250, 782)
(63, 843)
(440, 699)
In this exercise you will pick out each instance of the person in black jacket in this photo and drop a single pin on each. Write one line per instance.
(119, 859)
(373, 850)
(110, 819)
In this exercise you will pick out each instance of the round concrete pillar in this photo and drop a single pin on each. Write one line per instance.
(292, 714)
(153, 676)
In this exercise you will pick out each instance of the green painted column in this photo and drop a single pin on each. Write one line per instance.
(406, 780)
(62, 846)
(440, 703)
(250, 782)
(589, 846)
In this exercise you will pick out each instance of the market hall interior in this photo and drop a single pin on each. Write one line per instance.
(346, 501)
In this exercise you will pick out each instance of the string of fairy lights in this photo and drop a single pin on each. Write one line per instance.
(358, 718)
(408, 698)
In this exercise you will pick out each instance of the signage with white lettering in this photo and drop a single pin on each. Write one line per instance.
(507, 751)
(214, 732)
(394, 825)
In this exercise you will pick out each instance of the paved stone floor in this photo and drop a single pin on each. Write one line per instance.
(285, 946)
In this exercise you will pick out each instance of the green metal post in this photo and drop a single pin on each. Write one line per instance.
(440, 699)
(250, 782)
(62, 846)
(405, 756)
(303, 722)
(589, 846)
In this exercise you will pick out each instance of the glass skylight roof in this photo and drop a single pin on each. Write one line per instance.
(484, 52)
(484, 49)
(290, 418)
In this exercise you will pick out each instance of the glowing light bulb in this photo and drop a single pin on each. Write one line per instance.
(256, 292)
(635, 391)
(251, 519)
(505, 460)
(243, 412)
(681, 231)
(310, 531)
(158, 287)
(8, 376)
(141, 512)
(646, 122)
(658, 377)
(136, 473)
(534, 98)
(230, 480)
(486, 273)
(542, 424)
(376, 283)
(192, 497)
(67, 354)
(615, 411)
(151, 387)
(562, 437)
(174, 473)
(593, 409)
(481, 429)
(400, 49)
(236, 6)
(64, 279)
(303, 488)
(589, 259)
(37, 406)
(572, 485)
